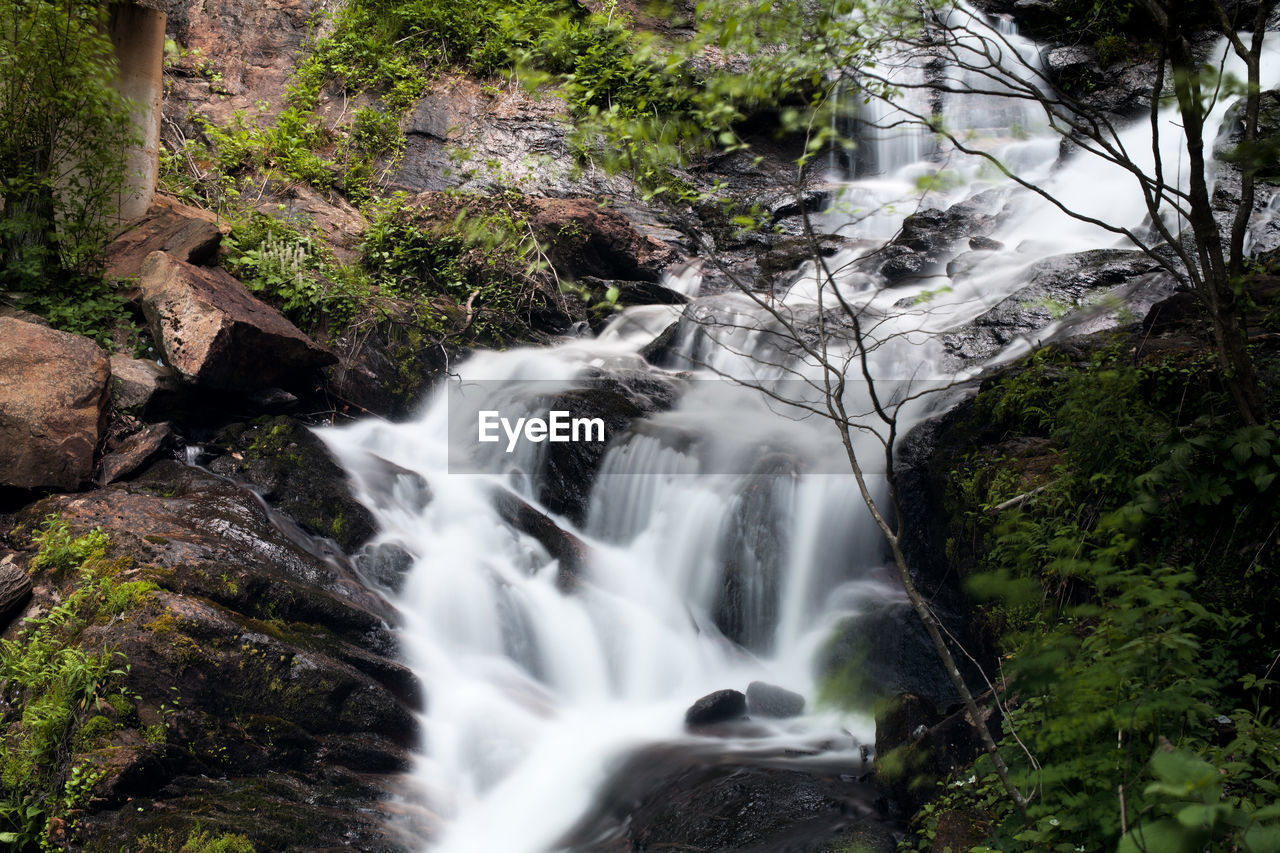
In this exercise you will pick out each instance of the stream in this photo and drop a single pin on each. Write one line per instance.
(724, 539)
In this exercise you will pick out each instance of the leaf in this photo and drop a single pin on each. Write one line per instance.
(1164, 836)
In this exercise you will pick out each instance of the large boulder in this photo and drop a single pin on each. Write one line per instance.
(214, 332)
(677, 797)
(188, 233)
(585, 238)
(262, 692)
(53, 397)
(1089, 291)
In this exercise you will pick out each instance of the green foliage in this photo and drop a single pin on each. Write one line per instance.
(53, 683)
(63, 134)
(60, 551)
(294, 271)
(479, 253)
(198, 840)
(1126, 609)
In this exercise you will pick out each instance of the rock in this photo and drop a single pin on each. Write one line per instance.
(142, 386)
(1073, 68)
(935, 233)
(618, 398)
(635, 292)
(912, 770)
(769, 700)
(385, 564)
(262, 691)
(569, 550)
(984, 244)
(906, 265)
(53, 399)
(187, 233)
(1057, 286)
(673, 797)
(723, 706)
(133, 453)
(331, 215)
(211, 330)
(15, 590)
(752, 554)
(886, 651)
(293, 470)
(584, 238)
(657, 350)
(215, 539)
(900, 719)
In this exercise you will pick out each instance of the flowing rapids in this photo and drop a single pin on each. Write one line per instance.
(536, 690)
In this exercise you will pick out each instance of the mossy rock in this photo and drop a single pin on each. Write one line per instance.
(294, 471)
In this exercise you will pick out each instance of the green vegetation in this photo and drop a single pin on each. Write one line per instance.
(63, 134)
(54, 686)
(197, 841)
(1131, 597)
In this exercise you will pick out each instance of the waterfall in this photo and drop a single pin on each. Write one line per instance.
(720, 545)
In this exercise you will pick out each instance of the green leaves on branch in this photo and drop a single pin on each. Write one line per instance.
(63, 135)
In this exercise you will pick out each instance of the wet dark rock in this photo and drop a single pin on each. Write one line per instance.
(657, 351)
(385, 364)
(984, 244)
(618, 399)
(676, 797)
(295, 472)
(634, 292)
(886, 651)
(386, 564)
(901, 719)
(583, 237)
(53, 405)
(720, 707)
(1073, 68)
(262, 693)
(931, 752)
(134, 452)
(562, 545)
(770, 700)
(1230, 153)
(1056, 286)
(903, 266)
(753, 544)
(936, 233)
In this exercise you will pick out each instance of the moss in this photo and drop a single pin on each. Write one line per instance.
(156, 540)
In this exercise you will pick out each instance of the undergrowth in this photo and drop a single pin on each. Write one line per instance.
(52, 684)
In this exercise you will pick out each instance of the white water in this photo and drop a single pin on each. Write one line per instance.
(533, 692)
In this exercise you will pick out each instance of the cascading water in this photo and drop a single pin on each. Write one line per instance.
(535, 686)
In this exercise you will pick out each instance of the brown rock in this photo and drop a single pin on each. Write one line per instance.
(187, 233)
(585, 239)
(53, 395)
(340, 223)
(133, 452)
(213, 331)
(137, 382)
(15, 590)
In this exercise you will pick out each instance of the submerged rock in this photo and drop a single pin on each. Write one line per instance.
(770, 700)
(53, 399)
